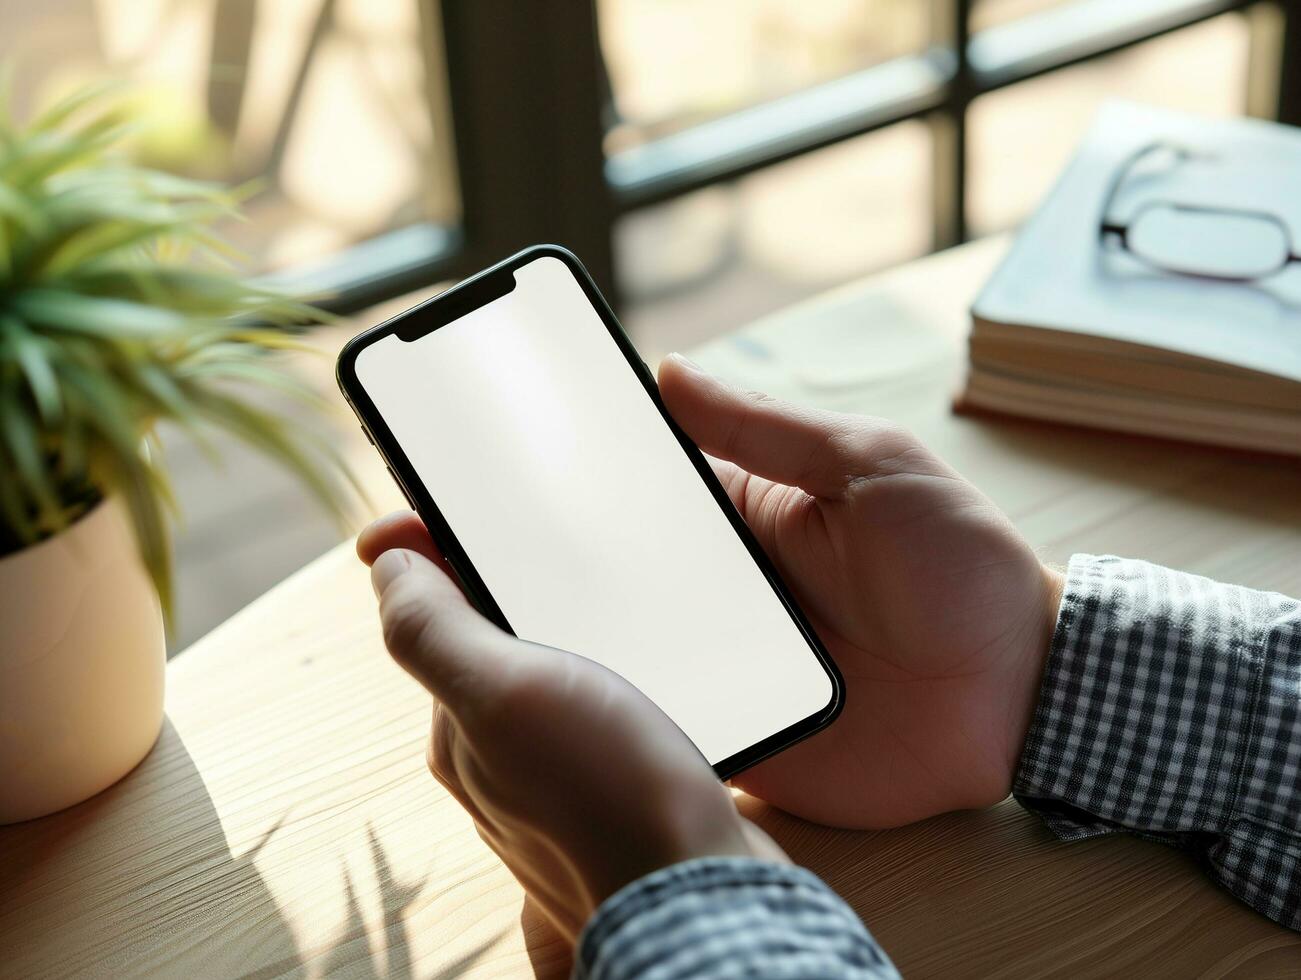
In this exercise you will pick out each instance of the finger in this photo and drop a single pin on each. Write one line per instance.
(443, 757)
(400, 529)
(440, 754)
(733, 479)
(815, 450)
(746, 493)
(434, 633)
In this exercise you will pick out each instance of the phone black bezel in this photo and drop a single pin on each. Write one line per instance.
(475, 292)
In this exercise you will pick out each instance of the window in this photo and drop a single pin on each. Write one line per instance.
(403, 142)
(677, 63)
(716, 107)
(716, 258)
(261, 94)
(1020, 137)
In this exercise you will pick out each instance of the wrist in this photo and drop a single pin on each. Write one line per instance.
(1035, 659)
(733, 836)
(681, 826)
(1056, 579)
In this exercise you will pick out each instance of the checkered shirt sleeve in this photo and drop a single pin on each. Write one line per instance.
(1169, 708)
(728, 917)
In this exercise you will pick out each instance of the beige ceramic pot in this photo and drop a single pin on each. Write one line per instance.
(81, 665)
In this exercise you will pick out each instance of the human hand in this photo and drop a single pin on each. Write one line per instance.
(578, 782)
(934, 607)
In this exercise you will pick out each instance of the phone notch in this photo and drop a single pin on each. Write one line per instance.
(472, 294)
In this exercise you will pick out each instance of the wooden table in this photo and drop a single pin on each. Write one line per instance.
(285, 825)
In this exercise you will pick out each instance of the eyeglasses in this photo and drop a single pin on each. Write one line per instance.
(1203, 241)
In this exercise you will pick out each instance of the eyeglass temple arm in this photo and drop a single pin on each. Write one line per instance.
(1118, 176)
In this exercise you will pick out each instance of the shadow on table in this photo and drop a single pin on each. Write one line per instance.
(135, 879)
(352, 952)
(141, 880)
(1162, 465)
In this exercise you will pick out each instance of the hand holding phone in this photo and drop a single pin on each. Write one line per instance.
(530, 438)
(574, 778)
(934, 605)
(938, 609)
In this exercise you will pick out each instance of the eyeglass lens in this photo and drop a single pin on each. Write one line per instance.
(1208, 242)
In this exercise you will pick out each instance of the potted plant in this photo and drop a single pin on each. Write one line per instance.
(119, 310)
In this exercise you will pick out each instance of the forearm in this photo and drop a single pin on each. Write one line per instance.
(716, 917)
(1170, 707)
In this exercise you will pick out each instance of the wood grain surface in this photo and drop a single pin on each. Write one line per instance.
(284, 825)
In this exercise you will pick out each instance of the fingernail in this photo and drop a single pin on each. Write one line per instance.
(387, 567)
(687, 362)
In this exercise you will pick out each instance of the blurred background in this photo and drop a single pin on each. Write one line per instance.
(709, 160)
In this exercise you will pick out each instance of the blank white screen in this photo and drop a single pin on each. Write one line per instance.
(583, 515)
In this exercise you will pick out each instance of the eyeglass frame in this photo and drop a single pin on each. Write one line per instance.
(1121, 230)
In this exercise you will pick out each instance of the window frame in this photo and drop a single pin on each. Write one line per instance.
(529, 174)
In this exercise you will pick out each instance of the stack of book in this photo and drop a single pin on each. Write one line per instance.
(1157, 290)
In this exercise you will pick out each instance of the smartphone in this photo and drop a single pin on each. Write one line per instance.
(531, 439)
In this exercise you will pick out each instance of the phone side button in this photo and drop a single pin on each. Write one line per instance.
(366, 432)
(401, 486)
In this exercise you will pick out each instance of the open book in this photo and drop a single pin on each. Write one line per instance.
(1091, 319)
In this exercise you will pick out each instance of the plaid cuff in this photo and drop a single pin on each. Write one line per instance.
(1169, 708)
(728, 916)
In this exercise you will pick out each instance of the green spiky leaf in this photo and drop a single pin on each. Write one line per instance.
(119, 310)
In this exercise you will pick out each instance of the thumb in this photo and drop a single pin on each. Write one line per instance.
(433, 632)
(815, 450)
